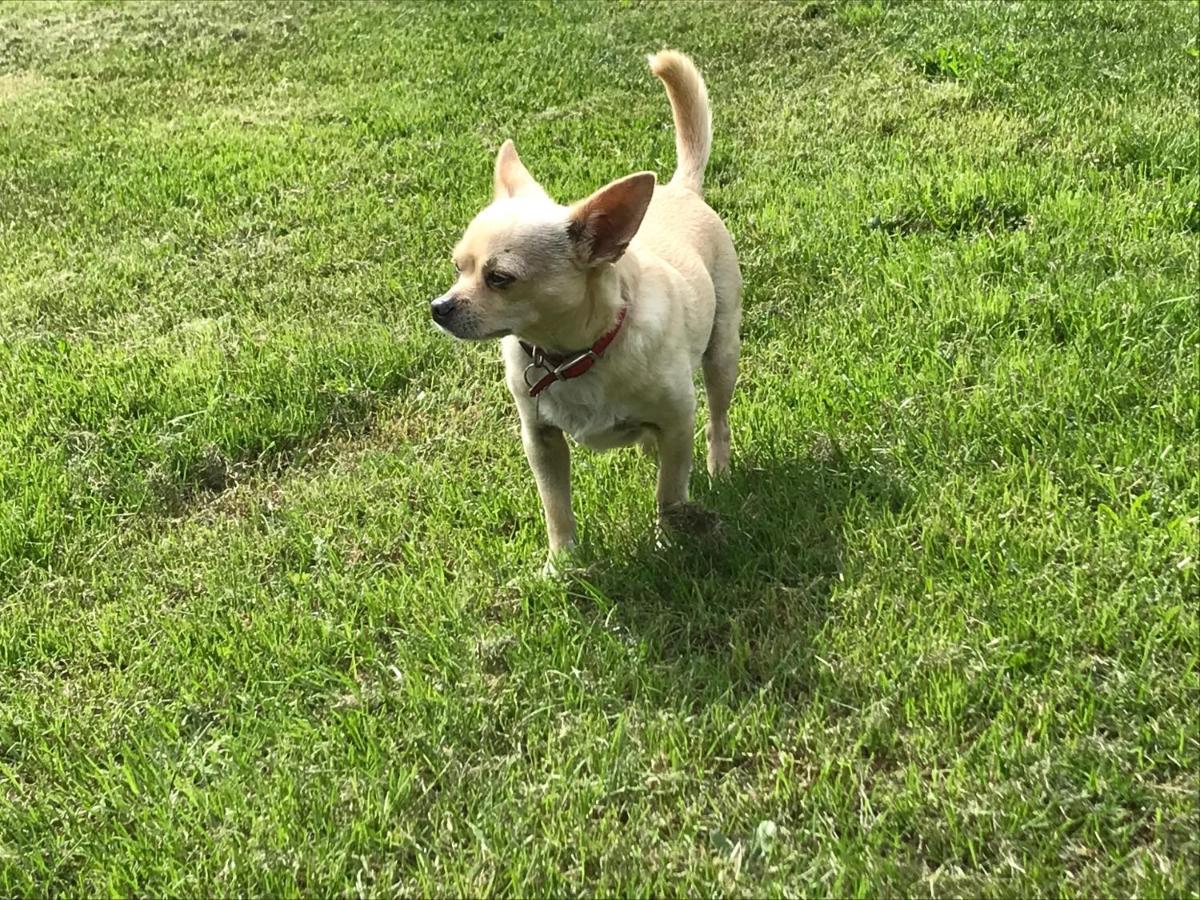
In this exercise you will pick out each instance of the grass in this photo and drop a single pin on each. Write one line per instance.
(270, 620)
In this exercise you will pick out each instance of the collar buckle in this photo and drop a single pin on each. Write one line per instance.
(590, 355)
(570, 367)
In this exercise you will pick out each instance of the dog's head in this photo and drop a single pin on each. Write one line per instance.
(524, 262)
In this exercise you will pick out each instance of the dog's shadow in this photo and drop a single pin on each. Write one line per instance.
(733, 601)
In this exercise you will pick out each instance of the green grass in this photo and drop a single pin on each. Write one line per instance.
(270, 620)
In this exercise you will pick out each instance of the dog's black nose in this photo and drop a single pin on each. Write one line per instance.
(442, 308)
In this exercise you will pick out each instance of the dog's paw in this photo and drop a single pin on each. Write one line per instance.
(718, 469)
(560, 563)
(662, 540)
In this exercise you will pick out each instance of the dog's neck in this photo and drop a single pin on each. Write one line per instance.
(608, 289)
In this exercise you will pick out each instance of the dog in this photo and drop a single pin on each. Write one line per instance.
(606, 308)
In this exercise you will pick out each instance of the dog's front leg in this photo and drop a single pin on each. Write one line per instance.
(550, 459)
(675, 460)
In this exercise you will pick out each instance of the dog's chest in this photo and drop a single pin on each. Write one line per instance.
(590, 414)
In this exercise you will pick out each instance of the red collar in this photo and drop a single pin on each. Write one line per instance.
(564, 366)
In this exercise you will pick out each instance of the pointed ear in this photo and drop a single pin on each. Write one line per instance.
(603, 225)
(512, 178)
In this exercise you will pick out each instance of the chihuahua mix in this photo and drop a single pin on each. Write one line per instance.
(606, 307)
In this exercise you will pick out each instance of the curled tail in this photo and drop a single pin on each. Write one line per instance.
(693, 120)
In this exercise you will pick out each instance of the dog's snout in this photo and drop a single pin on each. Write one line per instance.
(443, 308)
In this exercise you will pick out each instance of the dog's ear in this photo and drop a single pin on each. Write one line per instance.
(512, 179)
(603, 225)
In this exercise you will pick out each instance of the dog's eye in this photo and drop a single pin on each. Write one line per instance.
(499, 280)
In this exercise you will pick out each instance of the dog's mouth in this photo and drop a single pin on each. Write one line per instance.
(460, 336)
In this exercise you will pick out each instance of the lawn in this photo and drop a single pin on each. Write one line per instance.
(271, 619)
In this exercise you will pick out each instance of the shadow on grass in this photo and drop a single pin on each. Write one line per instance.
(733, 604)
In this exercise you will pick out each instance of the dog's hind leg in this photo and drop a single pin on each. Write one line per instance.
(720, 363)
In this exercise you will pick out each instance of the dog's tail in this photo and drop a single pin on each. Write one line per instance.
(693, 120)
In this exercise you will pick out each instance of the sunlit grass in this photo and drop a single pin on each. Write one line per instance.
(270, 619)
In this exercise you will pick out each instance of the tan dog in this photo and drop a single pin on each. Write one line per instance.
(606, 308)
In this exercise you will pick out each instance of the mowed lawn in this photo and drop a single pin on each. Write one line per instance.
(270, 613)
